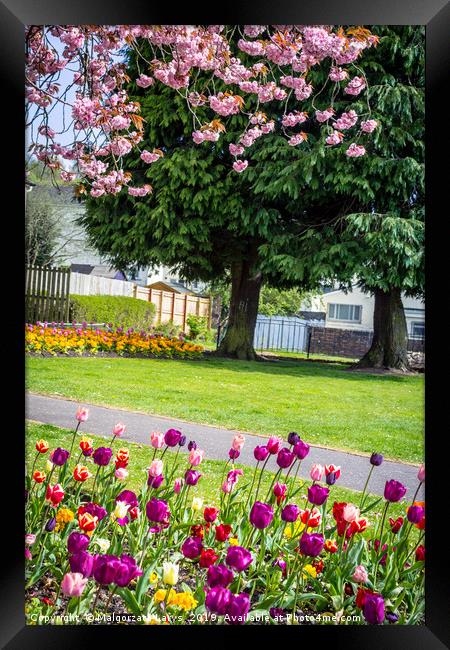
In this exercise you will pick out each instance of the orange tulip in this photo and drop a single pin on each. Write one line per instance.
(42, 446)
(87, 522)
(86, 444)
(81, 473)
(330, 546)
(39, 477)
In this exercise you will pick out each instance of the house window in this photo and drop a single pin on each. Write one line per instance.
(418, 330)
(345, 312)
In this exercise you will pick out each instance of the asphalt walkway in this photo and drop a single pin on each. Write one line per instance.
(216, 441)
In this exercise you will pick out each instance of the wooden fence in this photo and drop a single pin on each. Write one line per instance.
(82, 284)
(175, 307)
(46, 294)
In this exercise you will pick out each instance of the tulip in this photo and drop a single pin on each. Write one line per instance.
(285, 458)
(217, 600)
(330, 546)
(126, 571)
(261, 515)
(177, 485)
(155, 482)
(77, 542)
(421, 474)
(118, 430)
(197, 504)
(233, 454)
(191, 547)
(38, 476)
(274, 445)
(50, 525)
(394, 491)
(279, 491)
(219, 576)
(332, 469)
(157, 510)
(102, 456)
(182, 441)
(120, 510)
(54, 494)
(59, 456)
(170, 570)
(233, 474)
(415, 514)
(293, 438)
(82, 414)
(172, 437)
(128, 497)
(373, 608)
(260, 453)
(195, 457)
(331, 478)
(420, 554)
(238, 608)
(121, 473)
(311, 517)
(238, 558)
(49, 465)
(350, 513)
(311, 545)
(210, 515)
(301, 449)
(156, 468)
(87, 522)
(392, 617)
(73, 584)
(192, 476)
(360, 574)
(81, 473)
(30, 539)
(103, 544)
(105, 569)
(238, 442)
(192, 445)
(376, 459)
(28, 555)
(157, 439)
(82, 562)
(317, 471)
(42, 446)
(290, 513)
(318, 494)
(134, 513)
(86, 446)
(207, 558)
(223, 532)
(395, 524)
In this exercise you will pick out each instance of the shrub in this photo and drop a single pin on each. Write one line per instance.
(198, 326)
(118, 310)
(168, 328)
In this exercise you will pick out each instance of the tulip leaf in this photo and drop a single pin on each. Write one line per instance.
(130, 600)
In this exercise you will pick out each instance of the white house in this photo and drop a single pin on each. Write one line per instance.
(354, 310)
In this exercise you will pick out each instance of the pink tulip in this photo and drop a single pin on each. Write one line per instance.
(73, 584)
(156, 468)
(30, 539)
(82, 414)
(157, 439)
(177, 485)
(28, 555)
(274, 445)
(350, 513)
(360, 574)
(227, 486)
(196, 456)
(317, 471)
(238, 442)
(421, 474)
(118, 429)
(121, 473)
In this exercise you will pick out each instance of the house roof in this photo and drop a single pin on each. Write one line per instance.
(176, 287)
(99, 270)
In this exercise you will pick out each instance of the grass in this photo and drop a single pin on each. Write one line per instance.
(326, 403)
(140, 457)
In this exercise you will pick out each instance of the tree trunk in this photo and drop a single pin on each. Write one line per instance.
(390, 335)
(245, 288)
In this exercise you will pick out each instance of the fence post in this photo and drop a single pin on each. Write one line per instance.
(309, 340)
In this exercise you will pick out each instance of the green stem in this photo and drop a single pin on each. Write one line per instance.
(260, 476)
(363, 496)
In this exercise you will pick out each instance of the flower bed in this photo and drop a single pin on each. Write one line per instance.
(44, 338)
(96, 549)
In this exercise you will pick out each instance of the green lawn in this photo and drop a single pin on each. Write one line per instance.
(212, 470)
(328, 404)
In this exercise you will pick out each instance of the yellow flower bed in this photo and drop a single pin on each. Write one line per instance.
(82, 340)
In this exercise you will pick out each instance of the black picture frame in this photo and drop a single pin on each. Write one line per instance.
(435, 14)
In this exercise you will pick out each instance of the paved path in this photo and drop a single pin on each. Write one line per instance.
(215, 441)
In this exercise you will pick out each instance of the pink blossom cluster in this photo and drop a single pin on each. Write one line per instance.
(236, 149)
(200, 136)
(323, 116)
(297, 139)
(140, 191)
(144, 81)
(240, 165)
(346, 120)
(334, 138)
(369, 125)
(355, 150)
(149, 157)
(338, 74)
(224, 105)
(355, 86)
(294, 118)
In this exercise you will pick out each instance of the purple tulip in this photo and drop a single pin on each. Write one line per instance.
(376, 459)
(77, 542)
(293, 438)
(106, 569)
(59, 456)
(192, 445)
(415, 514)
(127, 496)
(373, 609)
(182, 441)
(261, 515)
(260, 453)
(285, 458)
(95, 510)
(392, 617)
(290, 513)
(238, 558)
(82, 562)
(238, 608)
(219, 576)
(102, 456)
(192, 547)
(50, 525)
(192, 476)
(234, 453)
(318, 494)
(172, 437)
(155, 481)
(331, 478)
(126, 571)
(279, 562)
(218, 599)
(394, 491)
(311, 545)
(301, 449)
(157, 510)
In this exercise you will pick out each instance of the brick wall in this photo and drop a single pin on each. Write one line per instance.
(347, 343)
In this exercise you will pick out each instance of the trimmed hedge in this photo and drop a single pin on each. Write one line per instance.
(118, 310)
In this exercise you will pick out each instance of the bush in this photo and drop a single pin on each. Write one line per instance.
(198, 326)
(168, 328)
(118, 310)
